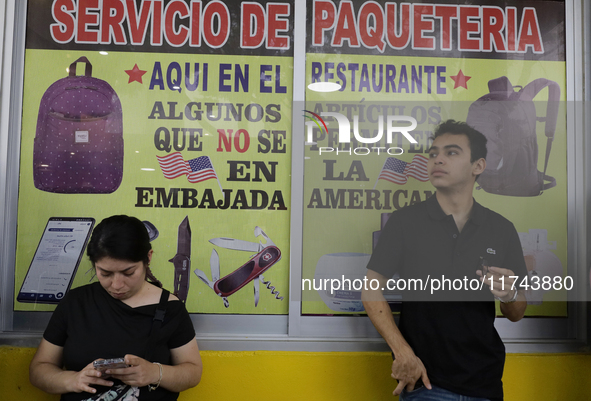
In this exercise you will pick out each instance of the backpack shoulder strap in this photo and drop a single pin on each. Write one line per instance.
(532, 89)
(528, 93)
(157, 321)
(550, 184)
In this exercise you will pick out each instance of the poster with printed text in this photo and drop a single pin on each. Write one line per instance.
(381, 75)
(177, 112)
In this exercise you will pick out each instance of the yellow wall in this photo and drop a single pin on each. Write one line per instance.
(328, 376)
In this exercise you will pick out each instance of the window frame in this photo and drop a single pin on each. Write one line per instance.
(294, 332)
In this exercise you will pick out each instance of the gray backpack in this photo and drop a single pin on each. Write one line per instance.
(508, 120)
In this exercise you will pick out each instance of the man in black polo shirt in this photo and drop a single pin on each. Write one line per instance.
(447, 344)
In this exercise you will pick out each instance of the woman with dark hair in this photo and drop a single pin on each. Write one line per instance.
(120, 316)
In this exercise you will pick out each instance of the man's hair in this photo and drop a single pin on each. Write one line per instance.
(476, 140)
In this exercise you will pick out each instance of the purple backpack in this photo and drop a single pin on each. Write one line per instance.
(79, 139)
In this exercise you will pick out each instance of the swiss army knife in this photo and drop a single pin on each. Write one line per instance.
(266, 256)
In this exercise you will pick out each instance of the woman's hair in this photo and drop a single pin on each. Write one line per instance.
(122, 238)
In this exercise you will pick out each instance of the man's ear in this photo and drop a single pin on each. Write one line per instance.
(478, 166)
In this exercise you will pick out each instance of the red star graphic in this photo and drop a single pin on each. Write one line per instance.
(460, 80)
(135, 74)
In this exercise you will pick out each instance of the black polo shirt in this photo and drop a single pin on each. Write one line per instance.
(451, 331)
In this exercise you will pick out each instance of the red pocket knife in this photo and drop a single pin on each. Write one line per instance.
(267, 255)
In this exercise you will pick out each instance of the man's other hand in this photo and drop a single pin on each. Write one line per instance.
(407, 368)
(501, 282)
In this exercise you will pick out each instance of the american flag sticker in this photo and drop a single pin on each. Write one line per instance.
(398, 171)
(197, 170)
(201, 170)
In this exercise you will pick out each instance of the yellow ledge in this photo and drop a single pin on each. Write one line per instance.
(328, 376)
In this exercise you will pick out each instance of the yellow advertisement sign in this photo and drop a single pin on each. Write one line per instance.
(379, 66)
(185, 127)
